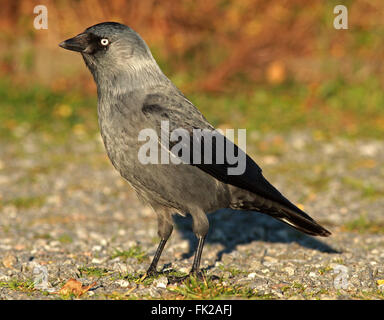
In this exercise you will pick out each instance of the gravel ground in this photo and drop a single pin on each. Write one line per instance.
(65, 213)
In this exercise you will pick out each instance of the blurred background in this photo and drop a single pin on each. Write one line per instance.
(261, 65)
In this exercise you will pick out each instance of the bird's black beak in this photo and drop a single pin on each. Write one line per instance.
(78, 43)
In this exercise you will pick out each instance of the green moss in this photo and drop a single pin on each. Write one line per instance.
(45, 236)
(324, 270)
(141, 279)
(65, 238)
(363, 225)
(133, 252)
(18, 285)
(25, 202)
(234, 271)
(367, 189)
(338, 108)
(369, 295)
(35, 108)
(194, 288)
(93, 271)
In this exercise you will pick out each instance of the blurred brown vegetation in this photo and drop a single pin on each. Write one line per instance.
(211, 45)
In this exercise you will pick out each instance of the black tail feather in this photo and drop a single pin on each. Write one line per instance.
(292, 216)
(301, 223)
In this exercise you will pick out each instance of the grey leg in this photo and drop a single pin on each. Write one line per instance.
(165, 228)
(200, 228)
(196, 261)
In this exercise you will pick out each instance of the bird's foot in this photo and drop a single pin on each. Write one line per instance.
(174, 277)
(150, 273)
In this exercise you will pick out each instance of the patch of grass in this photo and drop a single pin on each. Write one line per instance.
(148, 280)
(298, 287)
(324, 270)
(368, 190)
(316, 183)
(316, 294)
(133, 252)
(175, 273)
(38, 108)
(93, 271)
(338, 261)
(45, 236)
(18, 285)
(334, 108)
(234, 271)
(69, 296)
(25, 202)
(121, 296)
(65, 238)
(363, 225)
(139, 279)
(370, 295)
(194, 288)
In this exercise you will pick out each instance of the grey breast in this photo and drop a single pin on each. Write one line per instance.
(177, 186)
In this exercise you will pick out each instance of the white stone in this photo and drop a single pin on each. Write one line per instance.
(161, 282)
(97, 248)
(289, 270)
(97, 261)
(123, 283)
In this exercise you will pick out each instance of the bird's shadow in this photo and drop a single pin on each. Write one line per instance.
(231, 228)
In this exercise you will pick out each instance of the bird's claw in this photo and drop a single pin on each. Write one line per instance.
(149, 273)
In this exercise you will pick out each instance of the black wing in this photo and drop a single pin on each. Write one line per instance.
(183, 114)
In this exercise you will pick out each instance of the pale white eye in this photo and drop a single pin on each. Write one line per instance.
(104, 42)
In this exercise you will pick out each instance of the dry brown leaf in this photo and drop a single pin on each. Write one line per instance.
(72, 286)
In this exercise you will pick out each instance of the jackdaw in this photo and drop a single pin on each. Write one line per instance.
(134, 94)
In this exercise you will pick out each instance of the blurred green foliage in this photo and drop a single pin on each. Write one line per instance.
(333, 108)
(40, 109)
